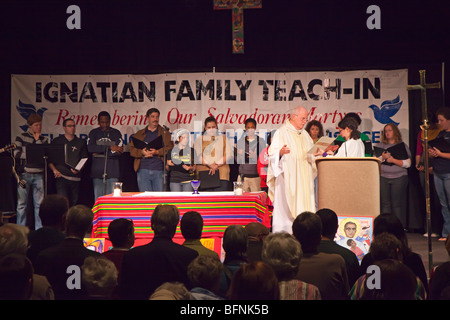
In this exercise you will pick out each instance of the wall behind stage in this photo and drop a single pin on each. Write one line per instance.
(150, 37)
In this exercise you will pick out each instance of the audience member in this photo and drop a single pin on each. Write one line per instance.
(283, 253)
(171, 291)
(121, 235)
(146, 267)
(326, 271)
(397, 282)
(235, 243)
(55, 261)
(385, 246)
(254, 281)
(204, 276)
(99, 277)
(14, 240)
(191, 226)
(440, 278)
(52, 212)
(16, 277)
(330, 226)
(389, 223)
(256, 232)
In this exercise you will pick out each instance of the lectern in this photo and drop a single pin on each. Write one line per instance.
(349, 186)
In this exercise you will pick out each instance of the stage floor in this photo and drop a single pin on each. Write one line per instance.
(419, 244)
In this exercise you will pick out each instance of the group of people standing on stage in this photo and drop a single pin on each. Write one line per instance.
(279, 164)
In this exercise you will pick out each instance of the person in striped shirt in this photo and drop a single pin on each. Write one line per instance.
(31, 173)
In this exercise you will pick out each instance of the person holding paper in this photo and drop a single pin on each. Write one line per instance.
(291, 171)
(67, 174)
(148, 161)
(394, 172)
(213, 153)
(31, 174)
(352, 147)
(105, 144)
(180, 162)
(368, 149)
(440, 162)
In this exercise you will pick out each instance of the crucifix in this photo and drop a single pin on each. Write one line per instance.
(237, 7)
(423, 86)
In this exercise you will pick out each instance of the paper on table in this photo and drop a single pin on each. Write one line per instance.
(323, 143)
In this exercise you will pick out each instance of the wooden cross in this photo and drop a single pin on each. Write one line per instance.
(423, 86)
(237, 7)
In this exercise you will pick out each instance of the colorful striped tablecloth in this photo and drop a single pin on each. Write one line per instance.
(218, 209)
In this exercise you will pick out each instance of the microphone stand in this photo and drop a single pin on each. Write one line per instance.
(164, 159)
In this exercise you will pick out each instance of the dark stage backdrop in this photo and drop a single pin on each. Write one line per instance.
(145, 37)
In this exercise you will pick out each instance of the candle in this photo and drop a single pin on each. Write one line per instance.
(117, 193)
(238, 191)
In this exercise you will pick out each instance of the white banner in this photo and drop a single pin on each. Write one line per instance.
(186, 99)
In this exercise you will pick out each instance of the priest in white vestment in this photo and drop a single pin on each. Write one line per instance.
(291, 172)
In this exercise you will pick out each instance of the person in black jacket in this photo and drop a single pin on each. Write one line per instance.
(103, 142)
(146, 267)
(67, 177)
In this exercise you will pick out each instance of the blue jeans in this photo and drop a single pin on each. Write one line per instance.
(178, 186)
(99, 187)
(150, 180)
(34, 183)
(442, 186)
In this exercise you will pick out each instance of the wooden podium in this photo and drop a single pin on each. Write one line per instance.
(349, 186)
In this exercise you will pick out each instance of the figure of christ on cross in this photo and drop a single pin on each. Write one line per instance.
(237, 7)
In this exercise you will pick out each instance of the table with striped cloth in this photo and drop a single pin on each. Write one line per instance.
(218, 209)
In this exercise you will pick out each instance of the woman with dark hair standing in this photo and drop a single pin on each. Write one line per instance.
(353, 146)
(394, 173)
(315, 130)
(213, 153)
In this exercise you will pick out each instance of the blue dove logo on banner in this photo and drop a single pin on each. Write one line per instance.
(25, 110)
(388, 109)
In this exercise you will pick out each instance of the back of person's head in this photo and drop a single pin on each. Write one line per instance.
(386, 246)
(387, 222)
(235, 241)
(191, 225)
(99, 276)
(164, 220)
(204, 272)
(307, 228)
(171, 291)
(13, 239)
(254, 281)
(330, 222)
(121, 233)
(397, 282)
(256, 231)
(53, 209)
(283, 253)
(79, 221)
(16, 277)
(355, 116)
